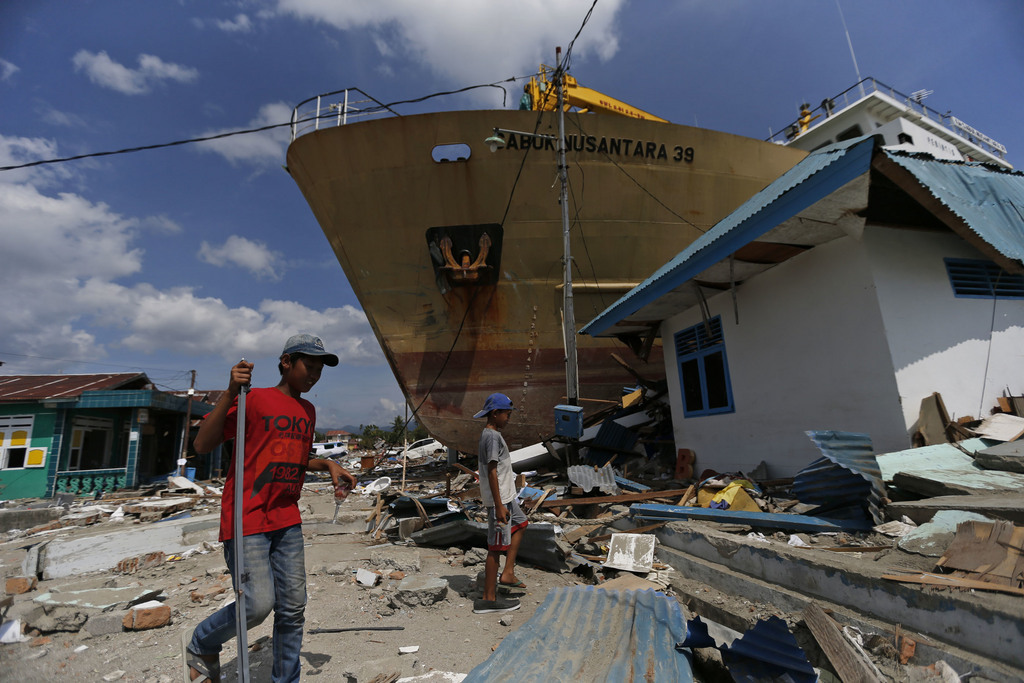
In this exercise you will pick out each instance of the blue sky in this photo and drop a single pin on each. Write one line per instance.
(190, 257)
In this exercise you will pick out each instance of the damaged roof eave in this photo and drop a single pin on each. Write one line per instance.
(813, 203)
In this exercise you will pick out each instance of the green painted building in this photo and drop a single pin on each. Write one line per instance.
(84, 434)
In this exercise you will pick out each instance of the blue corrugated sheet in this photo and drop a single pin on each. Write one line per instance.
(581, 633)
(768, 652)
(990, 200)
(846, 482)
(820, 173)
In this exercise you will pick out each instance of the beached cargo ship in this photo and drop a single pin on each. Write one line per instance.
(455, 252)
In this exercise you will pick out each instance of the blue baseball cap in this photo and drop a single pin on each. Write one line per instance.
(309, 345)
(495, 402)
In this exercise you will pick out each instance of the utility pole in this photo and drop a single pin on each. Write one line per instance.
(572, 384)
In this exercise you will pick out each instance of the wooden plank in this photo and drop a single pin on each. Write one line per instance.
(686, 496)
(952, 582)
(547, 492)
(621, 498)
(849, 664)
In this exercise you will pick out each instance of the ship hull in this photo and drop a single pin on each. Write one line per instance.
(639, 193)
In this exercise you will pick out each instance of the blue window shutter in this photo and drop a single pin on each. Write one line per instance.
(704, 370)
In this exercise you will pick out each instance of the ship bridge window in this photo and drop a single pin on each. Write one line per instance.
(445, 153)
(465, 255)
(854, 131)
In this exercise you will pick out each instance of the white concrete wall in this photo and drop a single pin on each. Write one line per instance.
(809, 353)
(968, 350)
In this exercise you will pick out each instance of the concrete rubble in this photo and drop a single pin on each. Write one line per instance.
(912, 569)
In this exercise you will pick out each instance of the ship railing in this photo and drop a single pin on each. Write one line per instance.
(332, 109)
(833, 105)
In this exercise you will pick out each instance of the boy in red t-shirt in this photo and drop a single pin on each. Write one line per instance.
(279, 427)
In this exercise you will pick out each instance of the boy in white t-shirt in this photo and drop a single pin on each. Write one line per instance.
(505, 520)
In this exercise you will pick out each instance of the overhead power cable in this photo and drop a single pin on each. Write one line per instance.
(260, 129)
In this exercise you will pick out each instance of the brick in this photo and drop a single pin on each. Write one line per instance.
(142, 618)
(205, 593)
(16, 585)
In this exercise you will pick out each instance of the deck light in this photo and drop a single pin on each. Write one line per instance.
(495, 142)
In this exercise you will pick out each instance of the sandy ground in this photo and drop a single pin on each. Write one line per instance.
(449, 636)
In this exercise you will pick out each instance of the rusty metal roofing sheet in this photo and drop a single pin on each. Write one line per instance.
(846, 481)
(14, 388)
(581, 633)
(990, 200)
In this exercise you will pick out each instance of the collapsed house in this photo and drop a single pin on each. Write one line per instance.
(843, 294)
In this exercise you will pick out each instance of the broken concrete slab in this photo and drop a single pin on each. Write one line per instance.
(983, 624)
(396, 558)
(104, 623)
(945, 470)
(932, 538)
(1008, 506)
(99, 598)
(70, 556)
(155, 509)
(418, 591)
(28, 518)
(1007, 457)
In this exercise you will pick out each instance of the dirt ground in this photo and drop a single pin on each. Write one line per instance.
(449, 636)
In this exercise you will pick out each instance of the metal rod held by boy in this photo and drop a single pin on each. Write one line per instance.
(241, 626)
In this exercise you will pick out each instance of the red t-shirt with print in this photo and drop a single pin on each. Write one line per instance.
(278, 438)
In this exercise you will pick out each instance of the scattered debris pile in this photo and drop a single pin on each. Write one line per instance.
(792, 576)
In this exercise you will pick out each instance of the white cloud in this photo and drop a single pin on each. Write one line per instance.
(240, 24)
(471, 41)
(7, 69)
(64, 259)
(255, 257)
(105, 72)
(261, 149)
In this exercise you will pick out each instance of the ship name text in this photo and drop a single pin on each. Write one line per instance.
(626, 147)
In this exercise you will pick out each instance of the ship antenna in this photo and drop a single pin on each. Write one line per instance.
(850, 43)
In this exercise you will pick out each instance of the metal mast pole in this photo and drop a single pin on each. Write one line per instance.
(572, 385)
(188, 427)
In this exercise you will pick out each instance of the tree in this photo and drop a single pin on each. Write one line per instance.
(369, 436)
(397, 434)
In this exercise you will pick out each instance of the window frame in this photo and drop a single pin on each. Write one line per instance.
(694, 344)
(17, 429)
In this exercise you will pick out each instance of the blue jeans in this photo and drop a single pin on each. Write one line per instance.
(276, 566)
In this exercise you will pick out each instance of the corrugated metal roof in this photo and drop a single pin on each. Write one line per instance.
(990, 200)
(846, 480)
(985, 206)
(581, 633)
(15, 388)
(588, 478)
(830, 168)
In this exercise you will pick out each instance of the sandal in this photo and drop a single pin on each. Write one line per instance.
(517, 584)
(207, 666)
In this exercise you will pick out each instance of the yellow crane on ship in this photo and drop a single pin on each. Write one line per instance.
(540, 95)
